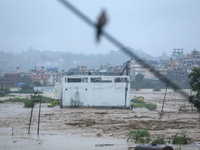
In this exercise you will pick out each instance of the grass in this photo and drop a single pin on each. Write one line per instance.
(143, 136)
(27, 91)
(157, 88)
(28, 101)
(12, 95)
(140, 136)
(134, 100)
(139, 104)
(157, 141)
(17, 99)
(2, 94)
(54, 103)
(180, 138)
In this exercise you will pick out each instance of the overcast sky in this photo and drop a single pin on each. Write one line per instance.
(154, 26)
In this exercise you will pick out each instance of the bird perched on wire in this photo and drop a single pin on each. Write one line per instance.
(101, 22)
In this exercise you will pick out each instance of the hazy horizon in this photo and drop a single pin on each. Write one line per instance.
(152, 26)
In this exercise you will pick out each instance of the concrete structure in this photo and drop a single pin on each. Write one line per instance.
(178, 74)
(93, 91)
(136, 69)
(10, 80)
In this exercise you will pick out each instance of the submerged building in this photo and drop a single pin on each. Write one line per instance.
(100, 91)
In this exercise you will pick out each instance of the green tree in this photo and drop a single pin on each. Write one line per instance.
(139, 78)
(147, 84)
(27, 87)
(186, 84)
(26, 79)
(6, 90)
(135, 85)
(37, 83)
(178, 83)
(195, 86)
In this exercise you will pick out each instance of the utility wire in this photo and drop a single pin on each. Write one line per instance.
(122, 47)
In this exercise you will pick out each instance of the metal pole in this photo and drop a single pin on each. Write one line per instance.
(12, 130)
(192, 99)
(164, 99)
(126, 90)
(31, 114)
(39, 117)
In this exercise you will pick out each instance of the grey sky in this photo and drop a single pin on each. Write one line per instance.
(155, 26)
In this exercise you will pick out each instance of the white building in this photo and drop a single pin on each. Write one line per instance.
(93, 91)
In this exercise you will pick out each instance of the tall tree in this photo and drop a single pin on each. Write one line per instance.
(139, 78)
(26, 87)
(195, 86)
(37, 83)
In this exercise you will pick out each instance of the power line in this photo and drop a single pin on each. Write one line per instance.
(121, 46)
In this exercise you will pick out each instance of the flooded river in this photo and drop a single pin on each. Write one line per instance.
(96, 128)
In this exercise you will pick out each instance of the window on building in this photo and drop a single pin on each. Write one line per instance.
(120, 80)
(99, 79)
(83, 80)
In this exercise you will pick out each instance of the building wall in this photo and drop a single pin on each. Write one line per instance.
(149, 74)
(95, 93)
(136, 69)
(10, 80)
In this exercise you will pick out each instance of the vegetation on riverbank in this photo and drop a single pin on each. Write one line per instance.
(27, 100)
(139, 104)
(143, 136)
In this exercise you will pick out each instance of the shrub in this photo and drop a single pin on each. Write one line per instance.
(17, 99)
(27, 91)
(134, 100)
(135, 85)
(29, 103)
(158, 141)
(2, 94)
(130, 136)
(141, 104)
(151, 106)
(157, 88)
(1, 101)
(6, 90)
(26, 87)
(180, 138)
(54, 103)
(140, 136)
(46, 99)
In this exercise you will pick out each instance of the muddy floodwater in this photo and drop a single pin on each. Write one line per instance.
(90, 129)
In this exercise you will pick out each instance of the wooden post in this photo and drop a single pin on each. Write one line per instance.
(39, 117)
(164, 98)
(192, 100)
(126, 90)
(31, 113)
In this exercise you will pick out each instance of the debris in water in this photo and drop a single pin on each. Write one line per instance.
(102, 145)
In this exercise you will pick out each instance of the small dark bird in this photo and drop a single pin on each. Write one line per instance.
(101, 22)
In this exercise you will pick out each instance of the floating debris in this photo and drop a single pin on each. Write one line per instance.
(102, 145)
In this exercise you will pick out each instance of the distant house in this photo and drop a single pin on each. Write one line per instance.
(178, 74)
